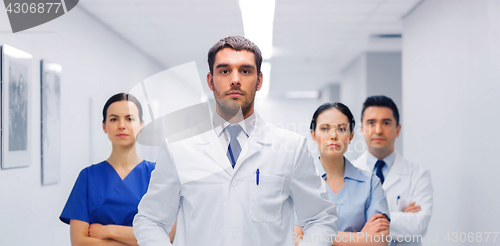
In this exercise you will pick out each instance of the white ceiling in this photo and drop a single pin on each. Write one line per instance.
(313, 40)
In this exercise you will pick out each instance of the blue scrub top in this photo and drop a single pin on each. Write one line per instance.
(360, 198)
(101, 196)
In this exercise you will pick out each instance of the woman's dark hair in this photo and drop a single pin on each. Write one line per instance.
(121, 97)
(340, 107)
(381, 101)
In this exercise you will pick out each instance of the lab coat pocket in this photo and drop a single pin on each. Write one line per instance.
(266, 198)
(401, 203)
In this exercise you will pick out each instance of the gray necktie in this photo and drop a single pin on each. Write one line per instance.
(234, 148)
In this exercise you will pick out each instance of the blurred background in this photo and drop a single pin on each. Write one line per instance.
(439, 60)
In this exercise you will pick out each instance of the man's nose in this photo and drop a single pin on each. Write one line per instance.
(235, 79)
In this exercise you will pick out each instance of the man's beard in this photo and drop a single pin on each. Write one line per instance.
(231, 108)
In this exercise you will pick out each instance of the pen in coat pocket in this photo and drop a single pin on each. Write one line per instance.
(257, 178)
(397, 200)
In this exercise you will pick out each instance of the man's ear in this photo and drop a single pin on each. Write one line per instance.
(259, 81)
(210, 81)
(399, 129)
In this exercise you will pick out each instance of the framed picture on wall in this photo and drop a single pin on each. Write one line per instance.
(16, 111)
(50, 111)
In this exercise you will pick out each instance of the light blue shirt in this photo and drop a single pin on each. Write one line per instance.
(371, 160)
(360, 198)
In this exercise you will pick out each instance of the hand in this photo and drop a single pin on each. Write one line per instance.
(412, 208)
(376, 224)
(99, 231)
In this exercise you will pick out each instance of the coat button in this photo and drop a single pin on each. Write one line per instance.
(235, 183)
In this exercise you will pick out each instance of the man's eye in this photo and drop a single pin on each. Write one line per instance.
(131, 119)
(371, 123)
(342, 129)
(323, 128)
(245, 71)
(112, 119)
(224, 71)
(387, 123)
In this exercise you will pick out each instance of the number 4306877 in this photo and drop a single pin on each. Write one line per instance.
(32, 8)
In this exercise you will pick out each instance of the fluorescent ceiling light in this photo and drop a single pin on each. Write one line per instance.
(258, 20)
(302, 94)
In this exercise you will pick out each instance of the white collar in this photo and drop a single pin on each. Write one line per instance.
(220, 124)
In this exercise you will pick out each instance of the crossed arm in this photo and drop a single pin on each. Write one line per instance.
(376, 225)
(415, 217)
(83, 233)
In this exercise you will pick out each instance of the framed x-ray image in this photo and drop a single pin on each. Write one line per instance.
(16, 110)
(50, 111)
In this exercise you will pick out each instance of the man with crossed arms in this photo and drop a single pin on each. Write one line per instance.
(407, 186)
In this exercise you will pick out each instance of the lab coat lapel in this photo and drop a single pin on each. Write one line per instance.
(361, 163)
(211, 145)
(398, 171)
(259, 137)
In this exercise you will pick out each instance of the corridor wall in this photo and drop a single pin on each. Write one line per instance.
(451, 83)
(96, 64)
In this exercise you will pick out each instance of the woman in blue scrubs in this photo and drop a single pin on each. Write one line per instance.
(104, 200)
(358, 195)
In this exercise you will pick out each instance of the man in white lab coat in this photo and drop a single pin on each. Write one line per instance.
(408, 186)
(238, 183)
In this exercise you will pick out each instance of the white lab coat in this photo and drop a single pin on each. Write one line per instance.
(215, 204)
(412, 183)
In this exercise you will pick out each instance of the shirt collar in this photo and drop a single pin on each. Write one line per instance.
(371, 160)
(220, 124)
(350, 171)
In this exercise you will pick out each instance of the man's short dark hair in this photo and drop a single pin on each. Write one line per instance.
(381, 101)
(236, 43)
